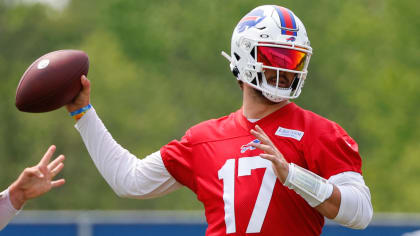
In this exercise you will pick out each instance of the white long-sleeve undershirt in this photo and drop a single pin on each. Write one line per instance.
(127, 175)
(7, 211)
(131, 177)
(355, 208)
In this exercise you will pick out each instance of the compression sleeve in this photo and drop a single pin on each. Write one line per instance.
(355, 208)
(127, 175)
(7, 211)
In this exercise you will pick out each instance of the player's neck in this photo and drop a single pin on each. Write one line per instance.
(256, 107)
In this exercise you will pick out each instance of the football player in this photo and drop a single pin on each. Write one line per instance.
(270, 168)
(32, 182)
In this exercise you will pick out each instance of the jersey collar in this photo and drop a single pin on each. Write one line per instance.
(247, 125)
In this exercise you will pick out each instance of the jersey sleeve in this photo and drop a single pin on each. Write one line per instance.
(334, 152)
(178, 160)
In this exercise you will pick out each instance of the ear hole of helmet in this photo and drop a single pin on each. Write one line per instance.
(235, 71)
(237, 56)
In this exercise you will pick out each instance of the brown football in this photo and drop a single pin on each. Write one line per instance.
(52, 81)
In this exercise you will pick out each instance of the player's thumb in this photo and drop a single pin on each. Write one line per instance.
(85, 83)
(85, 87)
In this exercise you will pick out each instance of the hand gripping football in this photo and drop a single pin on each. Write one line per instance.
(52, 81)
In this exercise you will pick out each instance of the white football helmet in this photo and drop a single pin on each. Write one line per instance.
(270, 37)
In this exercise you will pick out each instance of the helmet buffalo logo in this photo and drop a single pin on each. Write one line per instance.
(250, 20)
(290, 39)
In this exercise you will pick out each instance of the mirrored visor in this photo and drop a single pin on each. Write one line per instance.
(281, 57)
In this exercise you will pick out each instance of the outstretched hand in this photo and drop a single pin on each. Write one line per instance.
(83, 98)
(271, 153)
(37, 180)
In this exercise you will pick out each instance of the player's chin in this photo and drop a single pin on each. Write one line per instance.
(268, 102)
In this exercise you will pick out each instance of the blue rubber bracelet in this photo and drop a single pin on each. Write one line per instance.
(83, 109)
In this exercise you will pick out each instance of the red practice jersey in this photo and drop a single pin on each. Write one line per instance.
(239, 190)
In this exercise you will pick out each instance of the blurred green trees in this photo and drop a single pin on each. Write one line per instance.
(156, 70)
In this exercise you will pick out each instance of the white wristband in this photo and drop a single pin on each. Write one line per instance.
(313, 188)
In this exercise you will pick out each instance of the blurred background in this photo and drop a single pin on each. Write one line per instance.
(156, 70)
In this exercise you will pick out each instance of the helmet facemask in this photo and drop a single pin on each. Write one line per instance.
(282, 59)
(277, 57)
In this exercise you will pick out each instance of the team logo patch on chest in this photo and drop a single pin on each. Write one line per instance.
(247, 146)
(289, 133)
